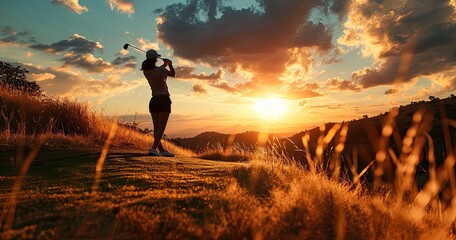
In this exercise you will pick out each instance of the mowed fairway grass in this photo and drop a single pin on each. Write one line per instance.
(135, 191)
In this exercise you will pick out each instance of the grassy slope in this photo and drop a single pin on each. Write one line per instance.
(148, 197)
(66, 125)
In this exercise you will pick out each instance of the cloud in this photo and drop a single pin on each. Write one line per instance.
(76, 43)
(407, 39)
(444, 82)
(145, 44)
(123, 52)
(299, 91)
(391, 91)
(88, 62)
(198, 88)
(125, 62)
(60, 82)
(340, 7)
(255, 39)
(342, 85)
(11, 37)
(215, 80)
(78, 52)
(123, 6)
(188, 73)
(41, 76)
(73, 5)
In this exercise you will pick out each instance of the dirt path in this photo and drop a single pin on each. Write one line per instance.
(56, 197)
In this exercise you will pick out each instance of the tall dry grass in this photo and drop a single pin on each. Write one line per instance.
(67, 123)
(408, 207)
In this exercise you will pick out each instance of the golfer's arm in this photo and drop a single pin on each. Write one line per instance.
(172, 73)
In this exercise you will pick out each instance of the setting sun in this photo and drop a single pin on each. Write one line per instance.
(270, 108)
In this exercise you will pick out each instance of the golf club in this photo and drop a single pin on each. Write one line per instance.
(127, 44)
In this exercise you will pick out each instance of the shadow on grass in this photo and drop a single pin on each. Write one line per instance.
(217, 156)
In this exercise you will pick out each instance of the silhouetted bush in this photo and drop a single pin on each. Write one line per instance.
(15, 79)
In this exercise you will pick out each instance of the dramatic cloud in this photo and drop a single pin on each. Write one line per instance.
(123, 6)
(188, 73)
(253, 39)
(9, 36)
(73, 5)
(342, 85)
(408, 39)
(198, 88)
(77, 44)
(340, 7)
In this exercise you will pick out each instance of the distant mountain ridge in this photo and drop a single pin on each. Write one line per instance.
(213, 139)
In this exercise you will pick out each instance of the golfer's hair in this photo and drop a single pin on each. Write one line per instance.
(148, 64)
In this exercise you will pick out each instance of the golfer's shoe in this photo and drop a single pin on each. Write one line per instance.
(153, 152)
(166, 154)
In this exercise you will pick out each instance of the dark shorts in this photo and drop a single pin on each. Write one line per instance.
(161, 103)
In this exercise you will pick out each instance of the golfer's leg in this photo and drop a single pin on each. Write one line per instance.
(155, 121)
(162, 121)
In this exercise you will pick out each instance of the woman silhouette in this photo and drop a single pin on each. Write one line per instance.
(160, 103)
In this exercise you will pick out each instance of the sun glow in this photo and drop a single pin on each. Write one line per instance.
(270, 108)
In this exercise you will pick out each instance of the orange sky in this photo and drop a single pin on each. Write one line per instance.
(325, 60)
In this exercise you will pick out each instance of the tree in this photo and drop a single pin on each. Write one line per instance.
(15, 79)
(365, 116)
(432, 98)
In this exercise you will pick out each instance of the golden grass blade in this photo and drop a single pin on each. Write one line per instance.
(382, 148)
(338, 151)
(407, 160)
(431, 157)
(355, 180)
(305, 143)
(331, 133)
(9, 210)
(104, 154)
(320, 147)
